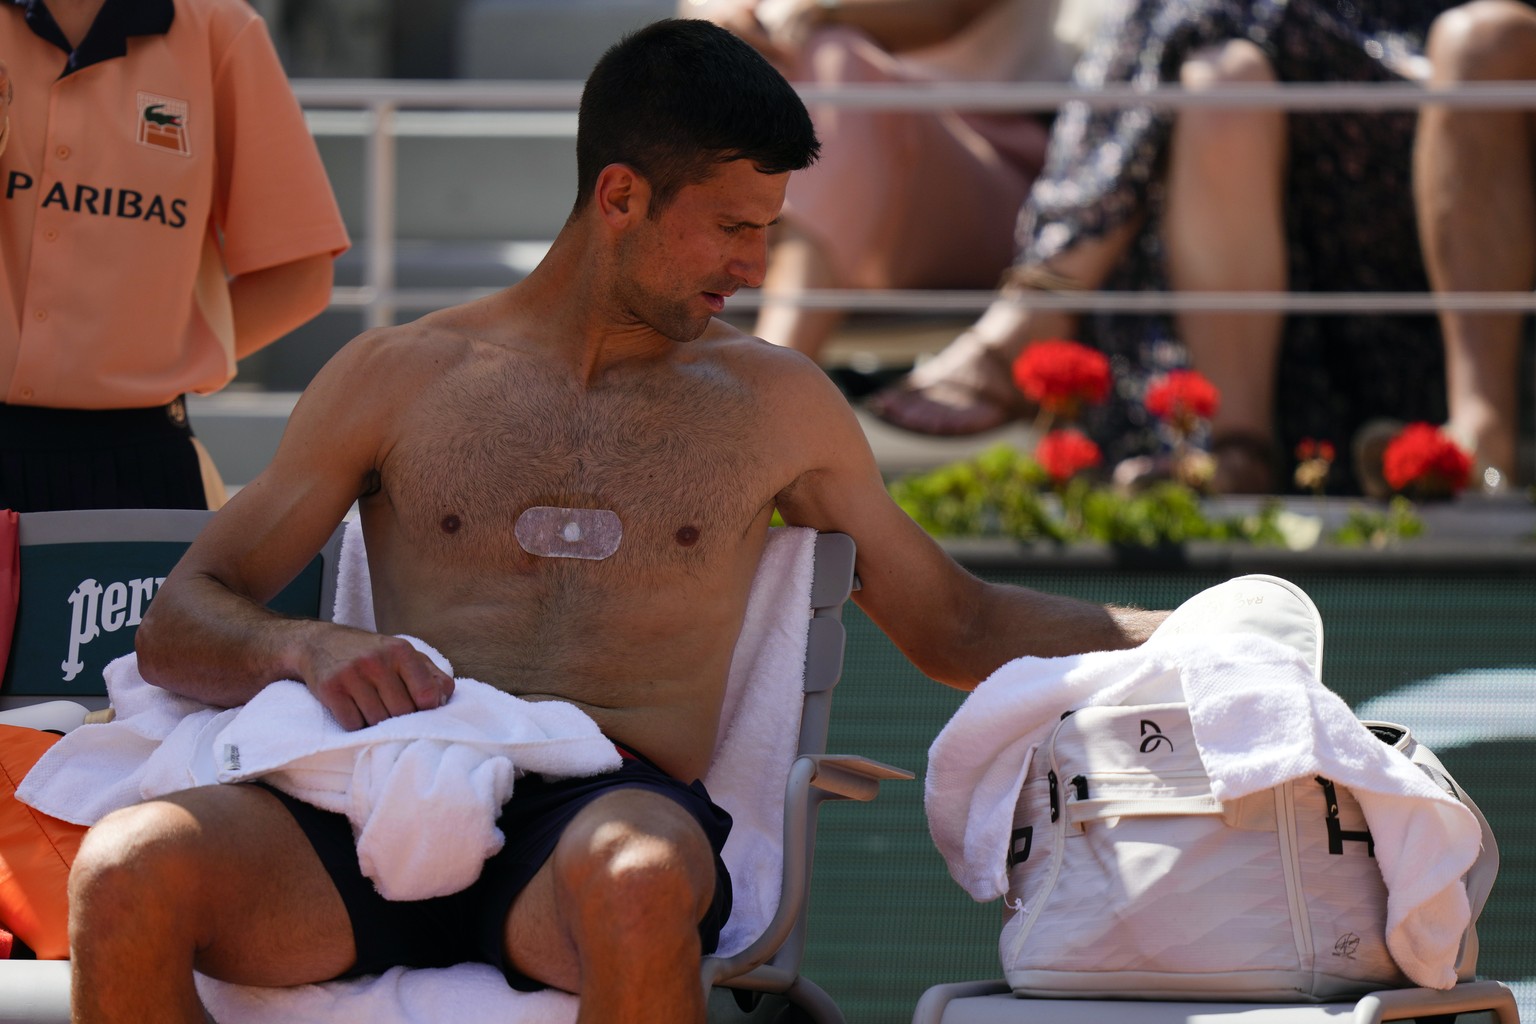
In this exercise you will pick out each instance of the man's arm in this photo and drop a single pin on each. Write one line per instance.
(269, 303)
(208, 634)
(955, 627)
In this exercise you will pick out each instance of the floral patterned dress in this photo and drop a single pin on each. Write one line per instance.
(1349, 210)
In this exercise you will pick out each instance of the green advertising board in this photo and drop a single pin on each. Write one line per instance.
(82, 597)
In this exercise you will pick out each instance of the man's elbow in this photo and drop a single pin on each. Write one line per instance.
(151, 641)
(957, 667)
(160, 641)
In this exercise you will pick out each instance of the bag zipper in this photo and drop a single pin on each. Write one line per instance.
(1301, 926)
(1058, 842)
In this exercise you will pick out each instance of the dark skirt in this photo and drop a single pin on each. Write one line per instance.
(52, 459)
(1349, 211)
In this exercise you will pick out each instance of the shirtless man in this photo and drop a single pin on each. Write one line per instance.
(602, 383)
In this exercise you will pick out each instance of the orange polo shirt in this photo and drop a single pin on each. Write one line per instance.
(166, 154)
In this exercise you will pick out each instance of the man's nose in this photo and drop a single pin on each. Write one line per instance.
(751, 263)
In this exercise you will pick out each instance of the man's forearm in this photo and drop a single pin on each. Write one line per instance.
(1015, 622)
(203, 641)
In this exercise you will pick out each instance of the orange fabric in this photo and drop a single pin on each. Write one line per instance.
(36, 852)
(10, 579)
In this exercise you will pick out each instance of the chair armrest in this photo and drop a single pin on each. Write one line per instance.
(812, 779)
(850, 777)
(1467, 997)
(930, 1007)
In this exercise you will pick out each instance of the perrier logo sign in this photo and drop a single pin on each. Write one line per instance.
(162, 123)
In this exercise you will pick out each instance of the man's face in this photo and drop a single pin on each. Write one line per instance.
(676, 270)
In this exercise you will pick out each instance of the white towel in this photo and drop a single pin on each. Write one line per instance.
(354, 583)
(150, 744)
(412, 779)
(1260, 718)
(757, 742)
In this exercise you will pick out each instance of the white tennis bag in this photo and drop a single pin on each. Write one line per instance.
(1128, 878)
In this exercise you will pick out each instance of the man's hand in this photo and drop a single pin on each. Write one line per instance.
(363, 678)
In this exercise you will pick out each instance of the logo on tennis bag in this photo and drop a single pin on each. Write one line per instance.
(1129, 878)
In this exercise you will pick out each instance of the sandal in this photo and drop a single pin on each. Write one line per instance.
(966, 389)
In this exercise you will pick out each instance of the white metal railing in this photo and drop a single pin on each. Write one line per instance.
(385, 111)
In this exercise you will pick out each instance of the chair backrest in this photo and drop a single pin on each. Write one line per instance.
(831, 586)
(86, 578)
(825, 646)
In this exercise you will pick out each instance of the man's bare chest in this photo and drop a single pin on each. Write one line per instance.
(680, 467)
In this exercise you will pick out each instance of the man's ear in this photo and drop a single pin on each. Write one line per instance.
(622, 195)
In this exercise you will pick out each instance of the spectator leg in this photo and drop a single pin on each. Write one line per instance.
(1224, 231)
(1476, 200)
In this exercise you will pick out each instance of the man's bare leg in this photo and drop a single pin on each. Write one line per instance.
(221, 879)
(614, 914)
(1475, 193)
(1224, 231)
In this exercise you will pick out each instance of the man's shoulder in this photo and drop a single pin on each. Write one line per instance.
(774, 364)
(411, 354)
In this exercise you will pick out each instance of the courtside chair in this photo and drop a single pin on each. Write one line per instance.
(991, 1002)
(762, 984)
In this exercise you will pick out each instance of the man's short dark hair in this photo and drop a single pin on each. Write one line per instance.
(679, 96)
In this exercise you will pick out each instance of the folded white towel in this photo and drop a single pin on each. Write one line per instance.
(151, 742)
(409, 780)
(1260, 718)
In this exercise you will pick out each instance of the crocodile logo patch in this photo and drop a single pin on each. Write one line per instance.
(162, 123)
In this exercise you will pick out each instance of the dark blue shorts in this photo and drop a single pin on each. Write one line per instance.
(470, 926)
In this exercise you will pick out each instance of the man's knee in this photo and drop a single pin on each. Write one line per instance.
(635, 855)
(1486, 40)
(140, 861)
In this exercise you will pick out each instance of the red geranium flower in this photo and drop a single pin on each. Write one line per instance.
(1422, 459)
(1061, 374)
(1183, 396)
(1314, 460)
(1310, 449)
(1064, 453)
